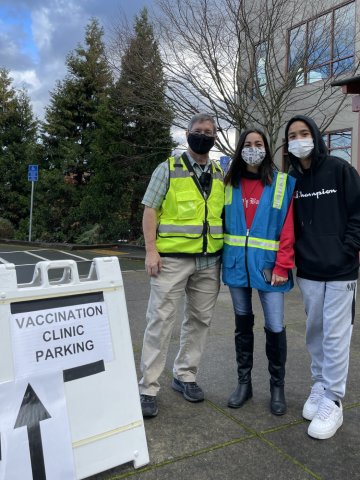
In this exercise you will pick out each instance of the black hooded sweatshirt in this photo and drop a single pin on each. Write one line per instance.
(327, 213)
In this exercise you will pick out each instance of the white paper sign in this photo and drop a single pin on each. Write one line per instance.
(56, 339)
(35, 436)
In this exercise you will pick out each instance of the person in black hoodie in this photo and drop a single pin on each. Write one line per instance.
(327, 243)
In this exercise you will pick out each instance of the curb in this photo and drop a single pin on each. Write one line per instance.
(70, 246)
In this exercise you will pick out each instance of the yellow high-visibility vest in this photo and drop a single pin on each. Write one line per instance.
(189, 223)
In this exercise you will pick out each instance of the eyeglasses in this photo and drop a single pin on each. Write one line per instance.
(207, 133)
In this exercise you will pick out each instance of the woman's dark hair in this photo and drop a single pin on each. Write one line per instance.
(238, 168)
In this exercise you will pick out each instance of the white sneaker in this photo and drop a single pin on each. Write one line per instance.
(311, 405)
(327, 420)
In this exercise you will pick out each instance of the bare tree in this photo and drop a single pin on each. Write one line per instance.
(246, 61)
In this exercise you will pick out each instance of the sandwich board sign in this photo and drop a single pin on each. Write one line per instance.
(65, 359)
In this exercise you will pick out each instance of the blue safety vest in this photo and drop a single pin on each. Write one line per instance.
(248, 252)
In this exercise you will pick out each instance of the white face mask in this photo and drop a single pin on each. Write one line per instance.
(301, 148)
(253, 155)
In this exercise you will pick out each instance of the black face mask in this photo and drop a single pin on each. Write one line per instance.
(200, 143)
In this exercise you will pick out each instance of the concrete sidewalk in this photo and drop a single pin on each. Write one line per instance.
(209, 441)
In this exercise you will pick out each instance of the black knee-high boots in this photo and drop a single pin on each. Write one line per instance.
(244, 348)
(276, 350)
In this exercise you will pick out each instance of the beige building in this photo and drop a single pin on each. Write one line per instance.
(327, 40)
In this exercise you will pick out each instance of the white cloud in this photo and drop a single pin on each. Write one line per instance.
(8, 47)
(27, 79)
(42, 28)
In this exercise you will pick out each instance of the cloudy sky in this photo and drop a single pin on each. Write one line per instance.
(36, 36)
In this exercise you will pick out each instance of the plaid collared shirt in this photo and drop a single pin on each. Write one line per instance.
(155, 194)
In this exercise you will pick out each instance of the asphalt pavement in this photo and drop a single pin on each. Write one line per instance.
(26, 255)
(208, 440)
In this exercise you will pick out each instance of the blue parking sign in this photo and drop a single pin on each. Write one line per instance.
(33, 173)
(225, 163)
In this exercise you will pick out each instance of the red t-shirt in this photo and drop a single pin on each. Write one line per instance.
(251, 193)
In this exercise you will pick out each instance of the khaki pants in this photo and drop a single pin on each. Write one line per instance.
(201, 288)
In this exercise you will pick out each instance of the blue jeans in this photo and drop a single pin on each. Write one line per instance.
(272, 305)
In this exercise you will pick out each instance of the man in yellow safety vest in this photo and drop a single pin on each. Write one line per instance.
(183, 235)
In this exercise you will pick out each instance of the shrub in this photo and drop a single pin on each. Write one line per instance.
(90, 236)
(6, 228)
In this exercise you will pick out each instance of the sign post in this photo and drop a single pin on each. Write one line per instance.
(33, 176)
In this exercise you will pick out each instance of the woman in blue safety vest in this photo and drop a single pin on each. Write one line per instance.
(258, 253)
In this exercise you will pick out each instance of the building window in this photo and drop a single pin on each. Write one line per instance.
(323, 46)
(260, 66)
(339, 144)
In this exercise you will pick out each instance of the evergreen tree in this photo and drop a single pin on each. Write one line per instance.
(71, 116)
(139, 100)
(18, 149)
(72, 124)
(103, 206)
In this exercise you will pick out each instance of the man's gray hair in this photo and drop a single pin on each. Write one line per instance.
(201, 117)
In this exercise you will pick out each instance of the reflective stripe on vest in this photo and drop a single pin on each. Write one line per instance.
(228, 195)
(179, 172)
(240, 241)
(215, 230)
(218, 174)
(280, 187)
(190, 229)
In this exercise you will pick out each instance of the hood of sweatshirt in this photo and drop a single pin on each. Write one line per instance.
(319, 153)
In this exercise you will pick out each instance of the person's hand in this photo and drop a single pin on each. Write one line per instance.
(153, 263)
(276, 280)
